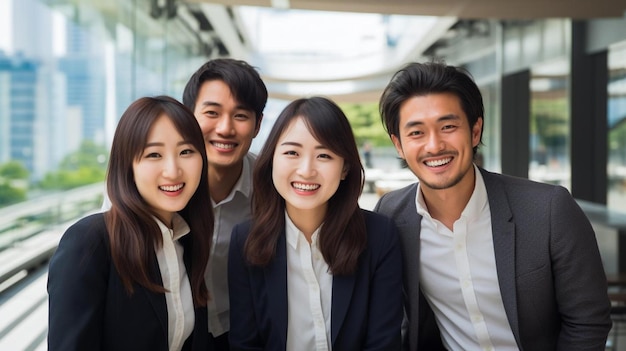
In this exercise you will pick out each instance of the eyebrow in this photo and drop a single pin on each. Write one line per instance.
(449, 117)
(293, 143)
(184, 142)
(217, 104)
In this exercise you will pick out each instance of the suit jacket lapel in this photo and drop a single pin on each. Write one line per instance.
(409, 225)
(276, 283)
(503, 231)
(343, 286)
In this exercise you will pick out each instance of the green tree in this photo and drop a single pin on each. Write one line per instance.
(10, 195)
(82, 167)
(14, 170)
(366, 125)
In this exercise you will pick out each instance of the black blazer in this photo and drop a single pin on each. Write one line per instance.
(549, 268)
(366, 310)
(91, 310)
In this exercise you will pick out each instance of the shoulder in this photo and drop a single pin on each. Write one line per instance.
(392, 201)
(240, 232)
(380, 228)
(87, 229)
(522, 187)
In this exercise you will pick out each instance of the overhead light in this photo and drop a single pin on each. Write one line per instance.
(280, 4)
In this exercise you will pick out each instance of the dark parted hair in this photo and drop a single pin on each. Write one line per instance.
(342, 236)
(243, 80)
(419, 79)
(133, 232)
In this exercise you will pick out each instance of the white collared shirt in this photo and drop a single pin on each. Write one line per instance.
(309, 292)
(235, 208)
(459, 279)
(178, 298)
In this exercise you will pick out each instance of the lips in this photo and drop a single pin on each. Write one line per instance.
(224, 145)
(438, 163)
(305, 187)
(172, 188)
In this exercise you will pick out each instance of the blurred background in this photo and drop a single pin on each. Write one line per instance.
(552, 74)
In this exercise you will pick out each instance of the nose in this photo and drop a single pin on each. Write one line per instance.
(225, 126)
(434, 143)
(171, 168)
(306, 168)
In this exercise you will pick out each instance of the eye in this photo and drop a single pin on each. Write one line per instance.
(242, 117)
(290, 153)
(449, 127)
(415, 133)
(153, 155)
(188, 152)
(325, 156)
(211, 113)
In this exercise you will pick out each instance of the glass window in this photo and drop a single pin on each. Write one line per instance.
(616, 167)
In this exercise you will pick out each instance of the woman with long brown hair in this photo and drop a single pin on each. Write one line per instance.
(132, 278)
(311, 270)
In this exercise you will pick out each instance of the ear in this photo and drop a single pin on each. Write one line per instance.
(476, 131)
(345, 170)
(257, 126)
(398, 145)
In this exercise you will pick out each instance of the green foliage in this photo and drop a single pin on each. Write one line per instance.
(13, 170)
(10, 195)
(85, 166)
(366, 124)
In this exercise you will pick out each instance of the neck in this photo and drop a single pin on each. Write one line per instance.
(446, 205)
(222, 180)
(307, 221)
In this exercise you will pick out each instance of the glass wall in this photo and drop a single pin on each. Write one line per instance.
(550, 123)
(68, 69)
(616, 167)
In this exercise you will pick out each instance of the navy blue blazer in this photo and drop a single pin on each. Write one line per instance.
(366, 307)
(90, 308)
(549, 267)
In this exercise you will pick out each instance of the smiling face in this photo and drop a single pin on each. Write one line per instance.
(436, 141)
(168, 171)
(228, 127)
(305, 173)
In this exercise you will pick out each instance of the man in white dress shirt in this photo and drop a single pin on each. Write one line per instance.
(491, 262)
(227, 97)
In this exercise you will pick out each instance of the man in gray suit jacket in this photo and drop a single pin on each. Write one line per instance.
(491, 261)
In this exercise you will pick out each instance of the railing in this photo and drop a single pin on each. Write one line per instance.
(29, 231)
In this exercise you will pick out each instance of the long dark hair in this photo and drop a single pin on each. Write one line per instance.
(343, 236)
(133, 232)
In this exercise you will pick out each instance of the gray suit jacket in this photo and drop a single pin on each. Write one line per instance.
(549, 268)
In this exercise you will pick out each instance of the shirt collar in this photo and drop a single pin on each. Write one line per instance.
(294, 235)
(180, 227)
(244, 183)
(476, 203)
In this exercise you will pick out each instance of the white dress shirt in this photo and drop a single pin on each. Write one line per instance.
(235, 208)
(309, 292)
(459, 279)
(178, 298)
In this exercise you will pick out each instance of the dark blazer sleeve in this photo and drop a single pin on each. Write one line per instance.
(77, 286)
(579, 278)
(244, 333)
(385, 306)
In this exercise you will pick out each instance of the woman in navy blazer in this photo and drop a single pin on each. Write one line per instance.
(132, 278)
(311, 270)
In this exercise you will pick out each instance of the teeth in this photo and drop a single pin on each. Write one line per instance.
(171, 187)
(437, 163)
(305, 187)
(223, 145)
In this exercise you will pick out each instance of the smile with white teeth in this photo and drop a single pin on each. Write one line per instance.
(172, 188)
(305, 187)
(438, 163)
(223, 145)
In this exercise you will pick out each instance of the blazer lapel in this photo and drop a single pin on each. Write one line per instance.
(276, 283)
(343, 286)
(503, 231)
